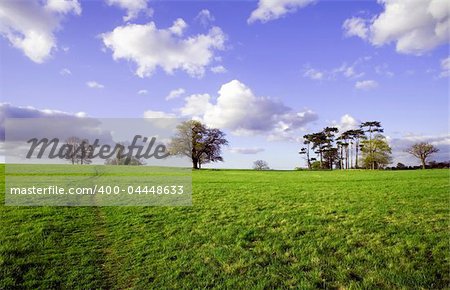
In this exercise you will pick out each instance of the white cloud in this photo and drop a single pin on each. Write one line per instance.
(355, 26)
(416, 26)
(445, 68)
(348, 71)
(142, 92)
(366, 85)
(150, 47)
(94, 85)
(205, 17)
(238, 109)
(175, 94)
(178, 27)
(218, 69)
(158, 114)
(133, 8)
(347, 122)
(30, 25)
(314, 74)
(11, 111)
(273, 9)
(64, 7)
(65, 72)
(242, 150)
(196, 105)
(345, 70)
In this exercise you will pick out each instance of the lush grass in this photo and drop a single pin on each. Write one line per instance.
(246, 229)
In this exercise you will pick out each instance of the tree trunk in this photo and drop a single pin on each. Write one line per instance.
(194, 163)
(424, 165)
(356, 157)
(309, 159)
(321, 160)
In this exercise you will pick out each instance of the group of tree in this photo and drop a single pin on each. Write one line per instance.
(430, 165)
(80, 151)
(121, 158)
(330, 149)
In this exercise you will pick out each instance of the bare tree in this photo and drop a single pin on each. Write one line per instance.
(71, 149)
(422, 151)
(260, 165)
(78, 151)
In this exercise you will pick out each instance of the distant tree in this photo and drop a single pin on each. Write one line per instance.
(371, 127)
(319, 141)
(86, 151)
(122, 159)
(330, 153)
(344, 142)
(260, 165)
(199, 143)
(78, 151)
(306, 150)
(401, 166)
(315, 165)
(376, 152)
(357, 135)
(435, 164)
(422, 151)
(71, 149)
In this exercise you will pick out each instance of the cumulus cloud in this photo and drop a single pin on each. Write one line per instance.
(196, 105)
(94, 85)
(205, 17)
(218, 69)
(31, 25)
(355, 26)
(175, 94)
(366, 85)
(142, 92)
(150, 47)
(273, 9)
(133, 8)
(247, 151)
(238, 109)
(347, 122)
(415, 26)
(445, 68)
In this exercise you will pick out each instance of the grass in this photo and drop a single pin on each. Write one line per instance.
(246, 229)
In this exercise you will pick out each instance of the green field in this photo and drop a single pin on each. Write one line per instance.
(246, 229)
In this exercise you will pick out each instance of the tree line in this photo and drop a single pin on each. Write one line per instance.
(364, 147)
(330, 149)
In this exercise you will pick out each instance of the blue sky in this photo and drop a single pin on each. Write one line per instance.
(283, 68)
